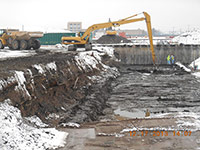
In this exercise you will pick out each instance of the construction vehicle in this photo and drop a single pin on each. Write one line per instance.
(83, 41)
(110, 31)
(16, 39)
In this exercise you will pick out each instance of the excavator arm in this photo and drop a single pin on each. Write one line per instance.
(84, 38)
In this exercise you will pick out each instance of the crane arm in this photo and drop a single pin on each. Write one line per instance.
(107, 25)
(127, 20)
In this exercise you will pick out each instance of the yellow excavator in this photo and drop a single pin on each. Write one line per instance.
(83, 41)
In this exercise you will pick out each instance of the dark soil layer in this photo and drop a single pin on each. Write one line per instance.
(112, 39)
(56, 96)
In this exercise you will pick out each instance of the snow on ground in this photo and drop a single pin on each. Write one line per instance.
(196, 74)
(188, 120)
(4, 54)
(194, 67)
(42, 68)
(111, 134)
(21, 80)
(17, 134)
(36, 121)
(19, 76)
(183, 67)
(70, 124)
(107, 50)
(195, 64)
(185, 121)
(191, 37)
(91, 59)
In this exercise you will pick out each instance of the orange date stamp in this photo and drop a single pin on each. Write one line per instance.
(160, 133)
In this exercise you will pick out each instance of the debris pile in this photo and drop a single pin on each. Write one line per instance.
(112, 39)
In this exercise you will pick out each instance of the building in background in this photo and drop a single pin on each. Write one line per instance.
(133, 33)
(74, 26)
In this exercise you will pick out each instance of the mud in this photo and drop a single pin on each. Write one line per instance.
(167, 89)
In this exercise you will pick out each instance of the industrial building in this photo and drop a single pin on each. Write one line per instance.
(74, 26)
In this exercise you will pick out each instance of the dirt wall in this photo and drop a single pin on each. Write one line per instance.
(62, 90)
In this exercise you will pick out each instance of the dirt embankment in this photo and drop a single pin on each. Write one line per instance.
(112, 39)
(57, 87)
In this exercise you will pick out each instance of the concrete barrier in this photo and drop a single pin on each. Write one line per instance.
(141, 55)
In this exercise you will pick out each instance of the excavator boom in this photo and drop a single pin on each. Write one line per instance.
(85, 37)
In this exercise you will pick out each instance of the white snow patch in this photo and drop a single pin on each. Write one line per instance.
(148, 129)
(197, 74)
(106, 50)
(195, 64)
(4, 54)
(70, 124)
(36, 121)
(111, 134)
(42, 68)
(53, 116)
(191, 37)
(182, 66)
(15, 134)
(19, 76)
(88, 59)
(188, 120)
(62, 46)
(39, 68)
(51, 66)
(4, 83)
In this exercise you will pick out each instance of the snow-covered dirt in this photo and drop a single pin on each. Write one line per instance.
(17, 133)
(59, 87)
(190, 38)
(5, 54)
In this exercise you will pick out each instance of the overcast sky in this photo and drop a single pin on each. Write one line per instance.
(166, 15)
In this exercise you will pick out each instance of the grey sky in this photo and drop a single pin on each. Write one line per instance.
(166, 15)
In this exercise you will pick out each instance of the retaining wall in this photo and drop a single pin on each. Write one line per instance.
(142, 54)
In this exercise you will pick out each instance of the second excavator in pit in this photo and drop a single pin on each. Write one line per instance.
(83, 41)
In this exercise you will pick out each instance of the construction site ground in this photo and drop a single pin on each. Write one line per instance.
(170, 94)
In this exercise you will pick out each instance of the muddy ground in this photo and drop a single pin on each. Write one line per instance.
(166, 92)
(105, 110)
(167, 89)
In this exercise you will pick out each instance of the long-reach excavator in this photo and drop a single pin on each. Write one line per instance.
(83, 41)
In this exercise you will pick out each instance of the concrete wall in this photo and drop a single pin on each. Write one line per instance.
(142, 54)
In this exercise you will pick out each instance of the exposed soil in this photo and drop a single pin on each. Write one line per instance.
(67, 94)
(112, 39)
(166, 90)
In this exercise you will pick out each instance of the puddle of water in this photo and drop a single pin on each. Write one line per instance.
(140, 114)
(123, 113)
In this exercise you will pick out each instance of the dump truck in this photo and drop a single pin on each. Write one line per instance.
(15, 39)
(83, 41)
